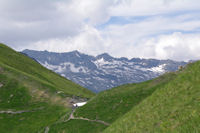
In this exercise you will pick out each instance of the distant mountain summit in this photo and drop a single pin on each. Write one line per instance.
(105, 56)
(103, 71)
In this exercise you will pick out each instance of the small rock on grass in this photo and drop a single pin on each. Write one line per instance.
(1, 85)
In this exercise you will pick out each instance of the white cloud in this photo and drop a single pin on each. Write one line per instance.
(88, 41)
(95, 11)
(175, 46)
(152, 7)
(66, 25)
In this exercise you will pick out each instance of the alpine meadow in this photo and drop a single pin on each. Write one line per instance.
(99, 66)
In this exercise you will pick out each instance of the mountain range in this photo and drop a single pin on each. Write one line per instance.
(98, 73)
(35, 99)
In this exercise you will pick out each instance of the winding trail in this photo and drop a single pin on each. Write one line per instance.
(19, 112)
(14, 112)
(71, 117)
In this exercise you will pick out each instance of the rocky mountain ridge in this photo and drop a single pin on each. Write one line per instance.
(103, 71)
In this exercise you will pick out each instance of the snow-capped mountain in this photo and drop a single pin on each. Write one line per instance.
(103, 71)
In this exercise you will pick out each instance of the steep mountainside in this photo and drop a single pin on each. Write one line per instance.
(33, 98)
(103, 71)
(169, 103)
(112, 104)
(173, 107)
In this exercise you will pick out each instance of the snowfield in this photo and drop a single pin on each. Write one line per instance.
(79, 104)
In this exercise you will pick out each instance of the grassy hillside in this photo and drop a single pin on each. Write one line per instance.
(22, 64)
(32, 98)
(77, 126)
(114, 103)
(174, 107)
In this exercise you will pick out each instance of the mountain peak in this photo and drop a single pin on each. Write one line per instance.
(75, 51)
(25, 50)
(105, 56)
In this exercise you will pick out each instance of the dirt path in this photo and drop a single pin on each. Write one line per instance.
(19, 112)
(14, 112)
(71, 117)
(86, 119)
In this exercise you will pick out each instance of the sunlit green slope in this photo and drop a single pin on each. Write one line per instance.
(22, 64)
(32, 98)
(110, 105)
(173, 107)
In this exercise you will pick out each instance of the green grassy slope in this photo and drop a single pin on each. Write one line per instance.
(114, 103)
(174, 107)
(169, 103)
(27, 66)
(40, 111)
(32, 97)
(77, 126)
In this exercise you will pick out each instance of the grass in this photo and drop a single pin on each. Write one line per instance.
(112, 104)
(31, 122)
(172, 108)
(169, 103)
(13, 95)
(22, 64)
(77, 126)
(16, 97)
(28, 86)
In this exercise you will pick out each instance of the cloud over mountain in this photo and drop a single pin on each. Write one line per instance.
(142, 28)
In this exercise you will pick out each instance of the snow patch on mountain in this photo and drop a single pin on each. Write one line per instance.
(103, 71)
(101, 62)
(49, 66)
(73, 68)
(63, 66)
(158, 69)
(63, 75)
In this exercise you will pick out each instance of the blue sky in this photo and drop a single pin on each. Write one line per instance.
(162, 29)
(121, 20)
